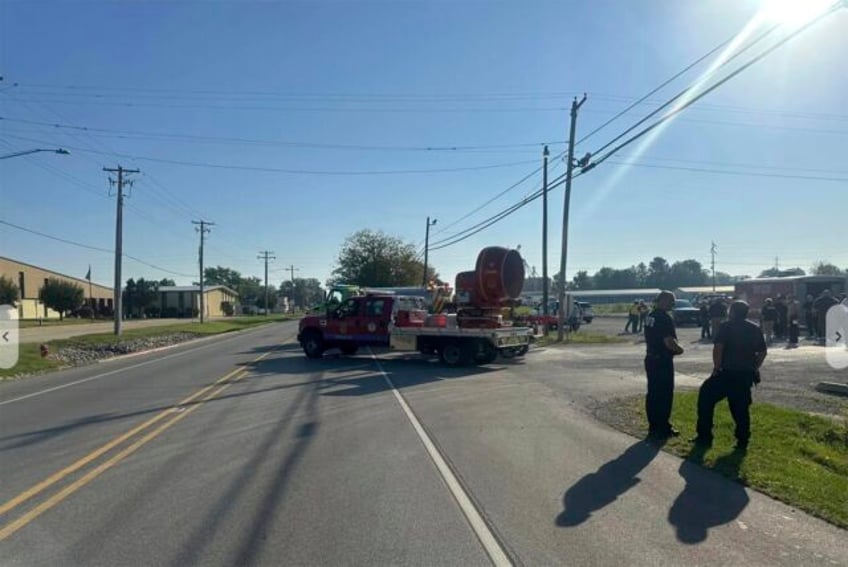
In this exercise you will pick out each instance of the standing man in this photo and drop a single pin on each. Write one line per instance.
(704, 314)
(662, 346)
(780, 326)
(738, 353)
(632, 318)
(643, 314)
(793, 316)
(768, 316)
(718, 312)
(810, 317)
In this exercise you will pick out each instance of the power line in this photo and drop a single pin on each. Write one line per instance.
(90, 247)
(297, 171)
(733, 172)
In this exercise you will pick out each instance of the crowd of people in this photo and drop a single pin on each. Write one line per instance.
(780, 318)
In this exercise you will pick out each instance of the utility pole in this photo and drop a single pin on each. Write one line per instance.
(203, 230)
(569, 171)
(292, 269)
(266, 255)
(545, 299)
(712, 263)
(117, 298)
(427, 250)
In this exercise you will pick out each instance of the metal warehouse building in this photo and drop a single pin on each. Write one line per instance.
(30, 279)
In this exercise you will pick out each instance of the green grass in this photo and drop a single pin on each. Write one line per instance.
(580, 338)
(30, 361)
(27, 323)
(794, 457)
(611, 308)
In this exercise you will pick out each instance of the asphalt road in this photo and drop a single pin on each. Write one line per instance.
(240, 451)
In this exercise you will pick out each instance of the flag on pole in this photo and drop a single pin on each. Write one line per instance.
(88, 274)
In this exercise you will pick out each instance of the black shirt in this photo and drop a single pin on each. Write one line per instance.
(742, 340)
(769, 313)
(718, 310)
(658, 326)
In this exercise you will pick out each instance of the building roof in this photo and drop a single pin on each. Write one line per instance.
(195, 288)
(82, 281)
(608, 292)
(707, 289)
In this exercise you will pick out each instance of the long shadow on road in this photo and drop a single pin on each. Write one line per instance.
(603, 487)
(708, 500)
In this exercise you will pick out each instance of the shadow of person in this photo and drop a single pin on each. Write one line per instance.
(708, 500)
(603, 487)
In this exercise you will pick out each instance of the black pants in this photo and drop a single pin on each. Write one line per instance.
(706, 331)
(794, 331)
(736, 387)
(660, 371)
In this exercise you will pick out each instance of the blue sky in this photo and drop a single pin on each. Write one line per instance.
(395, 75)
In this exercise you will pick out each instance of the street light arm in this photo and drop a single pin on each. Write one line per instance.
(61, 151)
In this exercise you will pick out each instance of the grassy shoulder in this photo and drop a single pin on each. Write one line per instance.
(31, 362)
(579, 338)
(794, 457)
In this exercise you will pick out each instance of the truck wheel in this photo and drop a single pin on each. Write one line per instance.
(453, 353)
(313, 344)
(484, 352)
(349, 350)
(522, 350)
(508, 352)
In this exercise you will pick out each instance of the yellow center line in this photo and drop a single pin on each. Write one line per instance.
(60, 475)
(25, 519)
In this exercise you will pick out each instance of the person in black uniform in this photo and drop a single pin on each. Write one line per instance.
(738, 352)
(662, 346)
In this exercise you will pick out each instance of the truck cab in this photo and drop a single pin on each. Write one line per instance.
(357, 321)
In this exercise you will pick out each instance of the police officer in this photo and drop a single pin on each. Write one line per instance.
(738, 352)
(662, 346)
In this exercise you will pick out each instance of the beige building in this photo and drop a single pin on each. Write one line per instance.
(184, 301)
(30, 279)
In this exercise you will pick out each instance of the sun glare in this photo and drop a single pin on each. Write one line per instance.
(794, 12)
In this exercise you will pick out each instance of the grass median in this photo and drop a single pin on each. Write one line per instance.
(794, 457)
(579, 338)
(31, 362)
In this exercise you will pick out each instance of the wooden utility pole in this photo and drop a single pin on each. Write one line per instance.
(117, 297)
(203, 229)
(266, 255)
(569, 171)
(545, 298)
(292, 270)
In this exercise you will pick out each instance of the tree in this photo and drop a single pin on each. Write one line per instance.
(370, 258)
(305, 292)
(251, 291)
(611, 278)
(641, 275)
(658, 273)
(687, 273)
(167, 282)
(582, 280)
(8, 291)
(826, 269)
(220, 275)
(61, 296)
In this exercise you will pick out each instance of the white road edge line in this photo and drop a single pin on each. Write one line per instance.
(132, 367)
(487, 539)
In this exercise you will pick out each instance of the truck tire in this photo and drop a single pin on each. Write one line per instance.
(509, 352)
(522, 350)
(454, 353)
(484, 352)
(313, 344)
(349, 350)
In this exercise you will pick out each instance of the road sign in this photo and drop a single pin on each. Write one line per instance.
(8, 336)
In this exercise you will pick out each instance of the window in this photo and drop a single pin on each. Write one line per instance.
(375, 308)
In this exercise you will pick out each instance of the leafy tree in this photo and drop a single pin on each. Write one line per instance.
(658, 273)
(220, 275)
(641, 274)
(611, 278)
(826, 269)
(723, 278)
(687, 273)
(8, 291)
(251, 291)
(61, 296)
(370, 258)
(582, 280)
(305, 292)
(167, 282)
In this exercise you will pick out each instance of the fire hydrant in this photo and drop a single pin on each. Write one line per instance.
(44, 351)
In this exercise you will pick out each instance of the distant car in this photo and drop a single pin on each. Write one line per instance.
(685, 313)
(586, 309)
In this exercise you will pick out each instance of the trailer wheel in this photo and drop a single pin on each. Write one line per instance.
(349, 350)
(313, 344)
(454, 353)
